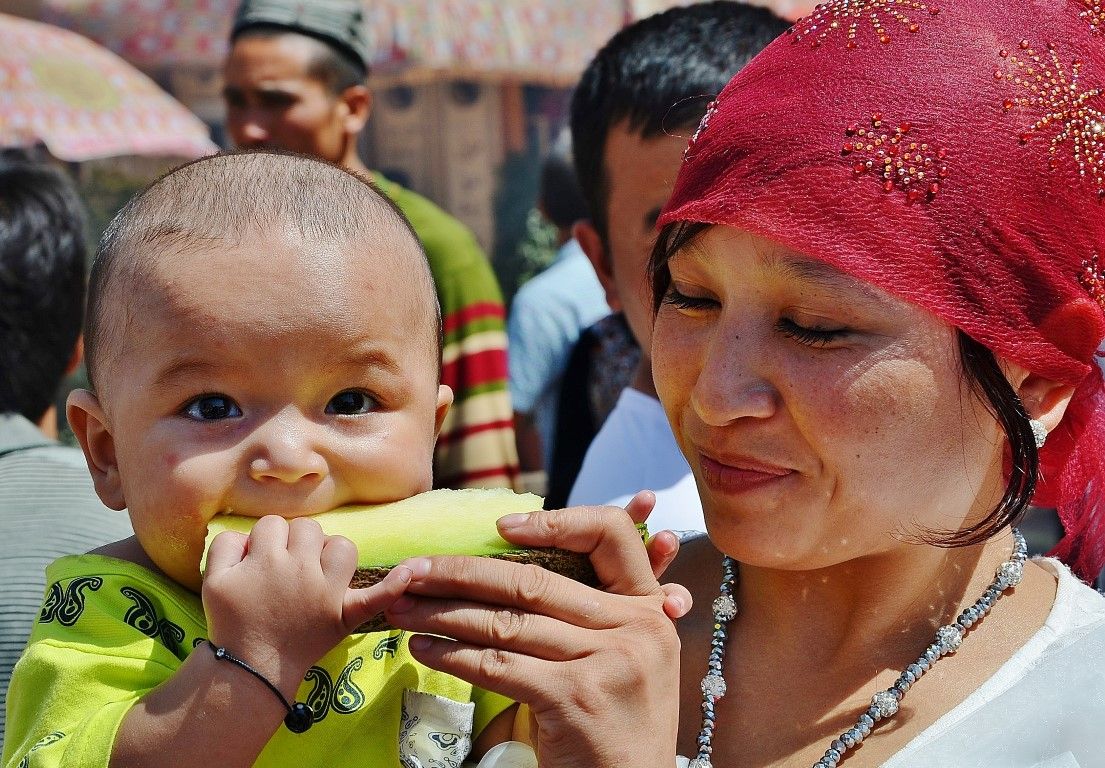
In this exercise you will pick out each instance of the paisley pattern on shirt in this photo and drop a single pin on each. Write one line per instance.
(109, 631)
(435, 733)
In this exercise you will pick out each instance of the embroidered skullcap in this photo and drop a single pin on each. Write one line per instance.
(952, 154)
(339, 23)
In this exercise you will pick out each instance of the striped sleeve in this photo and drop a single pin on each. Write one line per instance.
(476, 447)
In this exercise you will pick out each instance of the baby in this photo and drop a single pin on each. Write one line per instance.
(262, 338)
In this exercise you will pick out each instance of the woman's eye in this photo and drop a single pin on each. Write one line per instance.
(351, 402)
(814, 337)
(682, 301)
(212, 408)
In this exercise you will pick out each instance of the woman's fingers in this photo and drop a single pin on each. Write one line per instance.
(677, 601)
(607, 534)
(485, 626)
(507, 673)
(662, 549)
(641, 506)
(531, 588)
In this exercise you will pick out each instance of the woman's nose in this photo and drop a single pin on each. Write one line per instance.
(285, 450)
(731, 383)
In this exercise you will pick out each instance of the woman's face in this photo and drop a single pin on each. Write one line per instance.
(820, 415)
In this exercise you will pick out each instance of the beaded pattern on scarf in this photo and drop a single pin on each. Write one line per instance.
(836, 15)
(1076, 111)
(897, 159)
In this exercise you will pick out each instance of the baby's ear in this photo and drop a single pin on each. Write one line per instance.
(89, 425)
(444, 400)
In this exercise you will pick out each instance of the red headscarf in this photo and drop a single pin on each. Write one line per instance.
(952, 154)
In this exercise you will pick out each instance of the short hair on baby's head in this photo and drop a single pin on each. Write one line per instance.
(226, 197)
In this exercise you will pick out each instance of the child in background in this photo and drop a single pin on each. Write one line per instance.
(263, 338)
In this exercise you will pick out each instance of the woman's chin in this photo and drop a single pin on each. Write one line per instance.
(763, 540)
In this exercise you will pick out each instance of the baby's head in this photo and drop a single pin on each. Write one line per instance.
(262, 337)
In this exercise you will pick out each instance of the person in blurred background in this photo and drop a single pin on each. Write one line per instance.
(48, 507)
(601, 365)
(295, 79)
(631, 113)
(547, 315)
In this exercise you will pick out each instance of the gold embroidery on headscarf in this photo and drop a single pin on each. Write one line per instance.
(836, 15)
(1065, 103)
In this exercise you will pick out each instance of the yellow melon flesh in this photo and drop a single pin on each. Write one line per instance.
(442, 522)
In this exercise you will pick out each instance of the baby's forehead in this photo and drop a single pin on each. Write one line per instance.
(280, 273)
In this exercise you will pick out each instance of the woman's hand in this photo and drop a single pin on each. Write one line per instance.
(598, 669)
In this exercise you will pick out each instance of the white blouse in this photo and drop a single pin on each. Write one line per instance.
(1044, 708)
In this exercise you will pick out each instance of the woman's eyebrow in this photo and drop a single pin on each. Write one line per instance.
(822, 275)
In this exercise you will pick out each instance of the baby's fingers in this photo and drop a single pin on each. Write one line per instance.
(338, 560)
(360, 605)
(227, 550)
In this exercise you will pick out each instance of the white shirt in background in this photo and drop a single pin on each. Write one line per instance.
(635, 450)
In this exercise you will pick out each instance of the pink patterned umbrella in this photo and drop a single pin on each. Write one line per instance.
(541, 40)
(82, 101)
(534, 39)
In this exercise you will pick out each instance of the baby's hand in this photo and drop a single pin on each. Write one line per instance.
(280, 598)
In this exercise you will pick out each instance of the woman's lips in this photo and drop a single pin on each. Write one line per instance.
(735, 475)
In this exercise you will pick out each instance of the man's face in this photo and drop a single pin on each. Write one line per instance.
(640, 174)
(272, 101)
(302, 379)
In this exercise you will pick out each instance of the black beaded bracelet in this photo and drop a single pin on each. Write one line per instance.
(299, 717)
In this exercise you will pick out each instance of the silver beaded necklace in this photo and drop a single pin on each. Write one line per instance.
(884, 704)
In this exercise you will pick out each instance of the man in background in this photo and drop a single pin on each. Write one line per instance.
(546, 318)
(295, 79)
(632, 113)
(48, 507)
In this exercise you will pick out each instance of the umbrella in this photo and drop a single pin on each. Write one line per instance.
(534, 40)
(542, 40)
(82, 101)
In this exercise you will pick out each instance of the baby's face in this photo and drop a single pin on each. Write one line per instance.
(270, 377)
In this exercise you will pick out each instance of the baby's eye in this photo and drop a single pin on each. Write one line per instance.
(212, 408)
(351, 402)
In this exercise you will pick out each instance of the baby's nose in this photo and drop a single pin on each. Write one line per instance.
(285, 452)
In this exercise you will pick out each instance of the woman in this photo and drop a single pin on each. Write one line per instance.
(879, 299)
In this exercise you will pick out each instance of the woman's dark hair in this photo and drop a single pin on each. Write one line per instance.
(983, 375)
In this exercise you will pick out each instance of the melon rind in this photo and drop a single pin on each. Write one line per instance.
(441, 522)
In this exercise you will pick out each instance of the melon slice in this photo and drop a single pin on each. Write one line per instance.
(441, 522)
